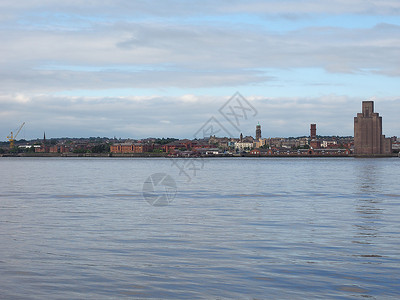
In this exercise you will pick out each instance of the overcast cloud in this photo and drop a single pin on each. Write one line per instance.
(162, 68)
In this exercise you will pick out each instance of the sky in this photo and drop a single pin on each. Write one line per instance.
(172, 68)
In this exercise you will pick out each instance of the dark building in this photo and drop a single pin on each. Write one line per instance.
(313, 131)
(314, 143)
(44, 148)
(368, 138)
(258, 131)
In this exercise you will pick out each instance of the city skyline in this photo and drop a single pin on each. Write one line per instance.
(245, 123)
(139, 69)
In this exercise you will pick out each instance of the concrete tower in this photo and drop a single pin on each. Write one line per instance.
(368, 138)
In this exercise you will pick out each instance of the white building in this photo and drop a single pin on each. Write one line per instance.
(325, 144)
(243, 146)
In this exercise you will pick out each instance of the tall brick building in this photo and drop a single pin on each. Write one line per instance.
(314, 142)
(368, 138)
(258, 131)
(313, 131)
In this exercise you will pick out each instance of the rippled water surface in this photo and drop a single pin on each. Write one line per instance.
(79, 228)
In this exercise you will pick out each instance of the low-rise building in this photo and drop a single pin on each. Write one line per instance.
(58, 149)
(178, 145)
(42, 149)
(208, 151)
(243, 146)
(328, 143)
(260, 143)
(315, 144)
(129, 147)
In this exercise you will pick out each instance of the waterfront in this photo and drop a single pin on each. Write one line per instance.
(73, 228)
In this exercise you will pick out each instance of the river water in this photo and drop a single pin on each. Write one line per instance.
(237, 228)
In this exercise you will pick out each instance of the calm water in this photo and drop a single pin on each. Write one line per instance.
(75, 228)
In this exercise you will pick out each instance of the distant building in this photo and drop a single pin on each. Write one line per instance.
(208, 151)
(222, 143)
(396, 146)
(368, 138)
(258, 131)
(313, 131)
(259, 152)
(129, 147)
(260, 143)
(314, 143)
(276, 142)
(243, 146)
(178, 145)
(299, 152)
(43, 147)
(58, 149)
(328, 144)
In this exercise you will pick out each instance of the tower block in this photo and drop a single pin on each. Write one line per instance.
(368, 138)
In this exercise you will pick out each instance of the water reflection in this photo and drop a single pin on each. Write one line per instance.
(368, 202)
(368, 174)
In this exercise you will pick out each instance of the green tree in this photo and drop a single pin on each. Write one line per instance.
(80, 150)
(101, 148)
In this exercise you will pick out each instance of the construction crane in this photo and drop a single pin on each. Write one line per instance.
(12, 137)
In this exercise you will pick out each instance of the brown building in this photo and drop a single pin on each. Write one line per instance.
(42, 149)
(53, 149)
(258, 131)
(368, 138)
(313, 131)
(130, 148)
(58, 149)
(314, 143)
(179, 145)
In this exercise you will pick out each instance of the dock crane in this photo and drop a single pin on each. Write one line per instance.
(12, 137)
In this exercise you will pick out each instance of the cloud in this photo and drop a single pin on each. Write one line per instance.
(171, 116)
(170, 8)
(189, 57)
(295, 7)
(192, 48)
(52, 81)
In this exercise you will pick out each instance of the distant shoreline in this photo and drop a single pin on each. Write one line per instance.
(160, 155)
